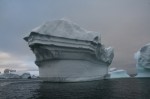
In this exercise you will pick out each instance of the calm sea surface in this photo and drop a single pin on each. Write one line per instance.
(130, 88)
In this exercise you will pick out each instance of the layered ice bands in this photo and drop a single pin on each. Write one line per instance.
(143, 61)
(65, 52)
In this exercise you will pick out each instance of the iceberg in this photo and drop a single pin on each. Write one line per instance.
(26, 76)
(9, 76)
(19, 75)
(65, 52)
(143, 61)
(114, 73)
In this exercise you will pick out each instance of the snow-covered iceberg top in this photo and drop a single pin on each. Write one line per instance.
(66, 29)
(143, 61)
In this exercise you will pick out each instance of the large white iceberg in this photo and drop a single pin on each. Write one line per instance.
(114, 73)
(65, 52)
(143, 61)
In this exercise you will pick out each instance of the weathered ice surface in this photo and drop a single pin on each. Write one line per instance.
(65, 52)
(143, 61)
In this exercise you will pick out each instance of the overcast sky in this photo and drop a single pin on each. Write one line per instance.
(123, 24)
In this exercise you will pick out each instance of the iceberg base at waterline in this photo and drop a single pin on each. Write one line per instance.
(72, 70)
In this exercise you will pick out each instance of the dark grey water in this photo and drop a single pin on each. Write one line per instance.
(103, 89)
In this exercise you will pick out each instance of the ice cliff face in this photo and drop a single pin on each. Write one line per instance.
(143, 61)
(66, 52)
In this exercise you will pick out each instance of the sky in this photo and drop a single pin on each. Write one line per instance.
(123, 24)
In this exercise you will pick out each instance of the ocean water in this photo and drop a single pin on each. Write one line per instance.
(129, 88)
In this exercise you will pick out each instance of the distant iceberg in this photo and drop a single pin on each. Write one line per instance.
(35, 72)
(114, 73)
(20, 75)
(143, 61)
(9, 76)
(26, 76)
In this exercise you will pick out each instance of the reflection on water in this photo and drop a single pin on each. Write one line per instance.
(103, 89)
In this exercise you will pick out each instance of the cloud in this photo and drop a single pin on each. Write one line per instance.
(4, 56)
(10, 61)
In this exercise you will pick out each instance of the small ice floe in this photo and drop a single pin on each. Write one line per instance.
(114, 73)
